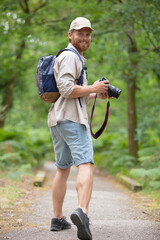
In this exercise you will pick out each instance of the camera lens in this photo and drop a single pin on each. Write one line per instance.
(113, 91)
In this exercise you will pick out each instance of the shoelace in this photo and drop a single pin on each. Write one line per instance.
(64, 221)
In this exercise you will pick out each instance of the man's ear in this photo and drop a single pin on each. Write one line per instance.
(69, 36)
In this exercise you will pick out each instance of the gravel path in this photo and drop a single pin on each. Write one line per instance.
(112, 212)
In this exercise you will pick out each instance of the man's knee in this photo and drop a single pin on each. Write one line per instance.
(64, 173)
(85, 173)
(86, 167)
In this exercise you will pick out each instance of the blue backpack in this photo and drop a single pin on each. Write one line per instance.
(45, 80)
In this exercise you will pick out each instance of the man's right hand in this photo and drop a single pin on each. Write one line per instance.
(101, 86)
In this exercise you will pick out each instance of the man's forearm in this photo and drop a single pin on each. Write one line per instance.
(81, 91)
(89, 90)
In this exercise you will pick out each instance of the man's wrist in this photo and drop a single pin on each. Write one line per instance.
(92, 96)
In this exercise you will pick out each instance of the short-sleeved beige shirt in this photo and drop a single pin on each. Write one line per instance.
(67, 70)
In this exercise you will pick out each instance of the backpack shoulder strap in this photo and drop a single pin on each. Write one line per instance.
(80, 80)
(72, 50)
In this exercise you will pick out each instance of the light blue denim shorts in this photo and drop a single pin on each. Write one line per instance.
(72, 144)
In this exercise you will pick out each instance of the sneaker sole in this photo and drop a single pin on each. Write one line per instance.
(83, 232)
(56, 228)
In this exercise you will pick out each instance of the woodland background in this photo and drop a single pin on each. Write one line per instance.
(125, 49)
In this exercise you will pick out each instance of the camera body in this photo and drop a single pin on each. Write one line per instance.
(112, 91)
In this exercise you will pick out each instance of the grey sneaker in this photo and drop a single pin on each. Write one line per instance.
(58, 225)
(80, 219)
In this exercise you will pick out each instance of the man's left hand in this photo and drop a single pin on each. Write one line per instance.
(102, 95)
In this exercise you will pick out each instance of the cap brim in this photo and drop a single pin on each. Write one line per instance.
(77, 28)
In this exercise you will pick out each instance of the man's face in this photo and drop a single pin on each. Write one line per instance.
(80, 39)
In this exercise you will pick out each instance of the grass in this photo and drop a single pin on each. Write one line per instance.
(16, 190)
(9, 194)
(155, 195)
(13, 184)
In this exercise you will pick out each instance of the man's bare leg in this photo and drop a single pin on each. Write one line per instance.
(84, 185)
(59, 191)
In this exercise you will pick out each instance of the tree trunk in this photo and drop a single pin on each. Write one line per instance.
(131, 89)
(7, 100)
(132, 120)
(8, 95)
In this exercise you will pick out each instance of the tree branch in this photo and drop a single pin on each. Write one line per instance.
(40, 5)
(157, 50)
(53, 21)
(148, 35)
(24, 5)
(104, 32)
(27, 6)
(115, 1)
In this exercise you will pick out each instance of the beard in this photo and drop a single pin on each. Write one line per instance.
(82, 46)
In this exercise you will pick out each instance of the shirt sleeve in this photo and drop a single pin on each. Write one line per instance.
(66, 70)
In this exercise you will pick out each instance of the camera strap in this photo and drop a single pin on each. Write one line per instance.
(100, 131)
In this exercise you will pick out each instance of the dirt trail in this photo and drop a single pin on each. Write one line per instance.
(113, 213)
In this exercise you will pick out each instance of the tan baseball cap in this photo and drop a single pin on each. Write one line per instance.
(80, 22)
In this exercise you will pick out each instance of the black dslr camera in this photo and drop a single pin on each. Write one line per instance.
(112, 91)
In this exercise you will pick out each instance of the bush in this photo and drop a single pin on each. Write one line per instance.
(30, 146)
(111, 153)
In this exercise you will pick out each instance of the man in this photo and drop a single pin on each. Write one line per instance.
(68, 122)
